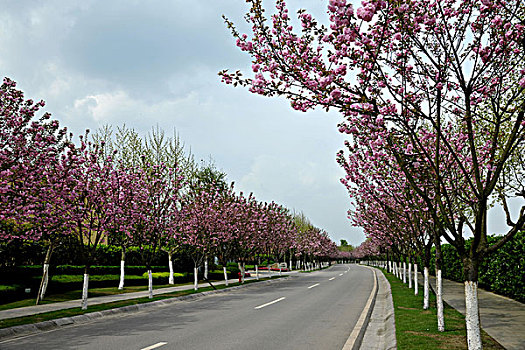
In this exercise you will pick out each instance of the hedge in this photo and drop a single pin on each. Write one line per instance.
(502, 272)
(24, 252)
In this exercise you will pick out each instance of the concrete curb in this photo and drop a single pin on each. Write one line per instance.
(27, 329)
(380, 333)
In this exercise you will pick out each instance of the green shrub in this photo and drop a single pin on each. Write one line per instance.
(163, 274)
(502, 272)
(11, 288)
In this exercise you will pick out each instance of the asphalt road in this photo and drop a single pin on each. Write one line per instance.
(308, 311)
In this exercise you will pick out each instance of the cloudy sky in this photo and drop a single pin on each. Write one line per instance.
(148, 63)
(155, 62)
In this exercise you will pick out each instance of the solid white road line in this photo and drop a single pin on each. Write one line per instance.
(154, 346)
(349, 345)
(340, 274)
(315, 285)
(270, 303)
(331, 279)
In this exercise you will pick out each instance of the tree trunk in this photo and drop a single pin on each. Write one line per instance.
(396, 269)
(84, 302)
(404, 271)
(425, 289)
(470, 272)
(439, 283)
(171, 280)
(225, 275)
(290, 263)
(206, 268)
(416, 286)
(195, 278)
(150, 284)
(472, 315)
(45, 275)
(439, 302)
(257, 272)
(410, 273)
(122, 263)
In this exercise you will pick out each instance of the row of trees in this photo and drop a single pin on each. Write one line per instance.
(432, 99)
(123, 190)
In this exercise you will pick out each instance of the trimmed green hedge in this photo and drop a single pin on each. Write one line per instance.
(503, 272)
(23, 252)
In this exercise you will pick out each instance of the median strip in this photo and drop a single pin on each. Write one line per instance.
(270, 303)
(312, 286)
(154, 346)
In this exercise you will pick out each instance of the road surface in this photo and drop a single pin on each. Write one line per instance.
(316, 310)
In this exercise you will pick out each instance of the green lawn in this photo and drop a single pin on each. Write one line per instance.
(417, 328)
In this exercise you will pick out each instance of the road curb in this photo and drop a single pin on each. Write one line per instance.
(380, 333)
(45, 326)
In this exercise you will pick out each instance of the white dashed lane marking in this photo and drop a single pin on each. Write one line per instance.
(270, 303)
(154, 346)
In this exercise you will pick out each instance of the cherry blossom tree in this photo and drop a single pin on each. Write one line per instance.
(159, 218)
(33, 174)
(91, 210)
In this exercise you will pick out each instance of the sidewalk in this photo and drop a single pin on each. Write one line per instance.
(38, 309)
(501, 317)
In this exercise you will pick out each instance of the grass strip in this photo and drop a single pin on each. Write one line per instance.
(17, 321)
(417, 328)
(77, 294)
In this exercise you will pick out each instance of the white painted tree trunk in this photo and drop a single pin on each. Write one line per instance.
(269, 271)
(425, 289)
(171, 280)
(410, 275)
(45, 277)
(122, 275)
(290, 264)
(206, 269)
(396, 270)
(84, 302)
(439, 302)
(257, 272)
(195, 279)
(472, 316)
(150, 284)
(404, 272)
(225, 275)
(416, 286)
(280, 271)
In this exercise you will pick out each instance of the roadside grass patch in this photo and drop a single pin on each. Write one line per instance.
(11, 322)
(77, 294)
(417, 328)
